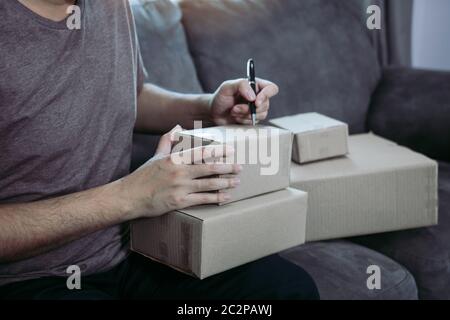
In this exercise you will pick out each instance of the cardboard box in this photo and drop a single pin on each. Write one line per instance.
(206, 240)
(263, 151)
(316, 136)
(379, 187)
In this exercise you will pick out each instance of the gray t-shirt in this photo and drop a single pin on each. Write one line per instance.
(67, 111)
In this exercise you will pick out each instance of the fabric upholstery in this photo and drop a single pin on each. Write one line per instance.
(163, 46)
(339, 269)
(324, 60)
(317, 51)
(166, 57)
(425, 251)
(412, 107)
(393, 40)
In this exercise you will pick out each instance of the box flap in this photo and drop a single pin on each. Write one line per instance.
(222, 134)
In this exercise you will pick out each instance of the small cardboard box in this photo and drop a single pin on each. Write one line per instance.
(206, 240)
(379, 187)
(263, 151)
(316, 136)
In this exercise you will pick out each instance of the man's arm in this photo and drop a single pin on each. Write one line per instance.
(29, 229)
(159, 110)
(158, 187)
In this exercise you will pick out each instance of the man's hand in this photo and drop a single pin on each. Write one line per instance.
(163, 185)
(159, 186)
(229, 102)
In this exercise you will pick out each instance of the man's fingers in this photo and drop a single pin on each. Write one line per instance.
(245, 90)
(214, 184)
(166, 142)
(243, 109)
(238, 86)
(262, 102)
(243, 121)
(268, 90)
(265, 89)
(205, 170)
(262, 83)
(195, 199)
(246, 119)
(240, 109)
(261, 115)
(202, 154)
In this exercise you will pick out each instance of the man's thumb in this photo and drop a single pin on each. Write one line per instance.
(166, 142)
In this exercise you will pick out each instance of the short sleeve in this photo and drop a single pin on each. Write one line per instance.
(141, 71)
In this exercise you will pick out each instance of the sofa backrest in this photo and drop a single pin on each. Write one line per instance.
(165, 55)
(163, 45)
(318, 52)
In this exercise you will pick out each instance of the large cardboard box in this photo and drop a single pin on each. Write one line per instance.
(263, 151)
(206, 240)
(316, 136)
(380, 186)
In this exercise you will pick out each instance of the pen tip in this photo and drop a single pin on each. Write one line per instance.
(253, 119)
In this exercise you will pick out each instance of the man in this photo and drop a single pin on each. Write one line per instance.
(69, 102)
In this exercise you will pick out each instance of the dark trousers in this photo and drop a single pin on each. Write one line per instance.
(140, 278)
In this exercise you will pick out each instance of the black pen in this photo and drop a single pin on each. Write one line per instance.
(252, 80)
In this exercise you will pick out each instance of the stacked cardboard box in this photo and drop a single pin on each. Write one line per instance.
(378, 187)
(265, 216)
(206, 240)
(316, 136)
(374, 186)
(263, 151)
(359, 185)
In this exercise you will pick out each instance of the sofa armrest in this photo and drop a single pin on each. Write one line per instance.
(412, 108)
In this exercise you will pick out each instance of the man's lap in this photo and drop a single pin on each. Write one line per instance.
(140, 278)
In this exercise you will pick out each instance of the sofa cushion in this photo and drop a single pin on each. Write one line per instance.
(425, 251)
(166, 57)
(163, 45)
(339, 269)
(317, 51)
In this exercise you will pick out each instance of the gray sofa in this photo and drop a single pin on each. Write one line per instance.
(322, 57)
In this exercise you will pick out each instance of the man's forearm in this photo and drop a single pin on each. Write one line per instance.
(160, 110)
(32, 228)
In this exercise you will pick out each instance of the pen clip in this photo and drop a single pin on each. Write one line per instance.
(251, 74)
(251, 70)
(251, 79)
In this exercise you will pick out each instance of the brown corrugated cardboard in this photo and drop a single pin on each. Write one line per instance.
(263, 151)
(206, 240)
(380, 186)
(316, 136)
